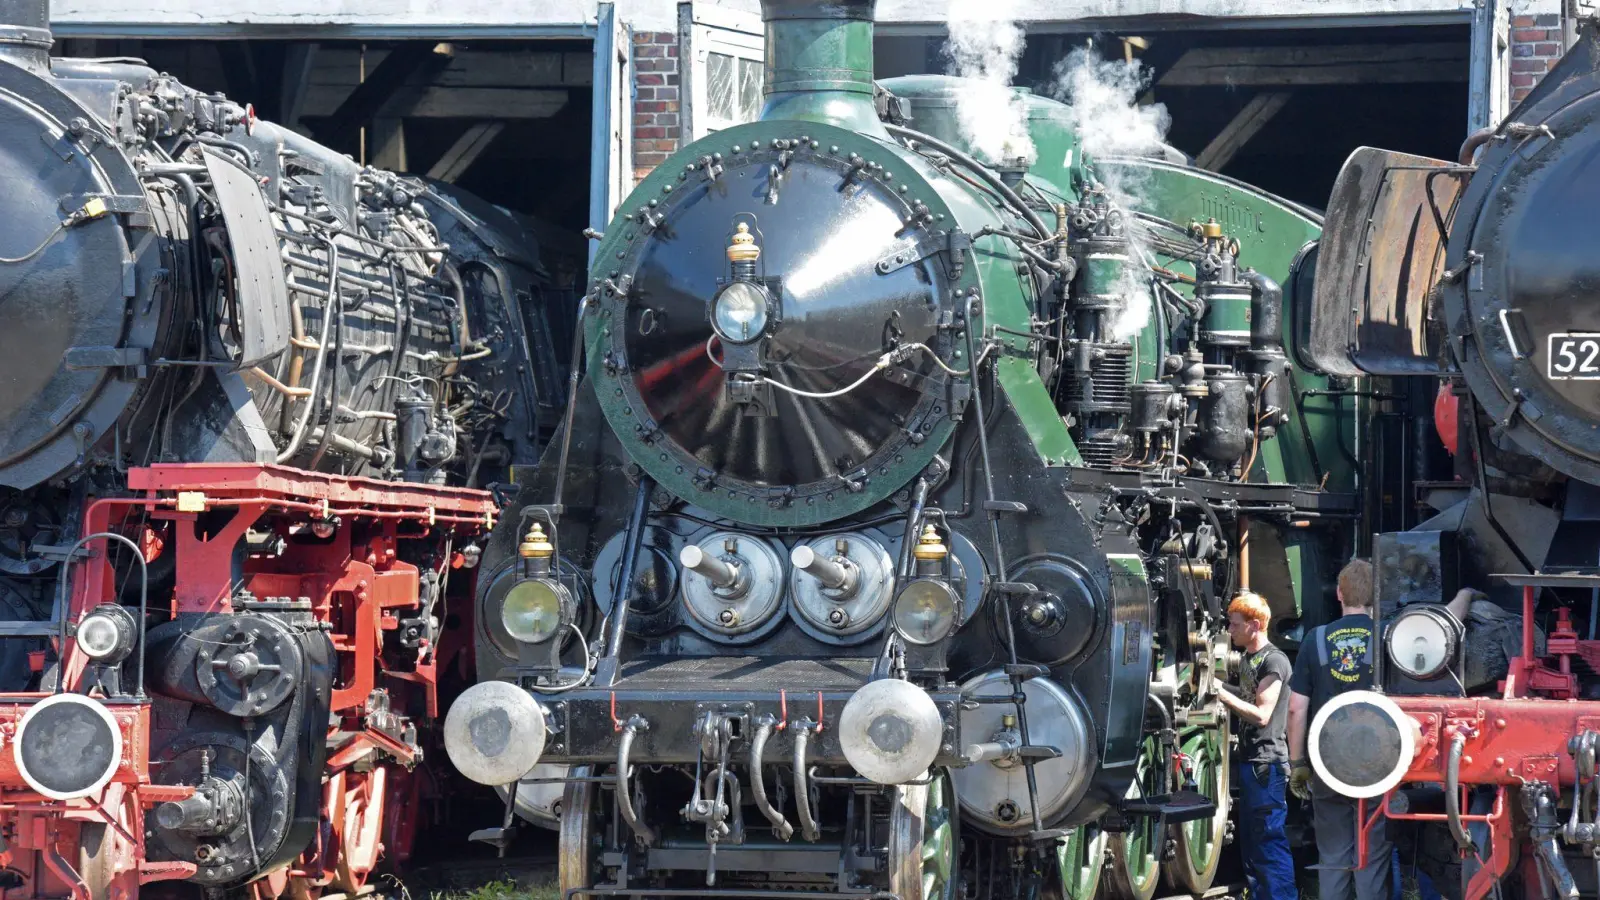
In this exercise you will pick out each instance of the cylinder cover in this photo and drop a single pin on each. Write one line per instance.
(994, 794)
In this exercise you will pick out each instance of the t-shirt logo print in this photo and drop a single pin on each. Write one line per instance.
(1349, 651)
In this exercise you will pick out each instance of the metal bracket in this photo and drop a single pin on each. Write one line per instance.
(117, 203)
(954, 244)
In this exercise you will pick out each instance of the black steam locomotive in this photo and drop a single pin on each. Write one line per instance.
(1477, 278)
(886, 544)
(257, 379)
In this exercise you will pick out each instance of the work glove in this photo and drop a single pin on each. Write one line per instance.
(1300, 779)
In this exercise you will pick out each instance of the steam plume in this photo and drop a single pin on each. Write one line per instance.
(985, 45)
(1106, 115)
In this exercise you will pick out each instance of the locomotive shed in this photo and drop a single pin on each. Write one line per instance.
(555, 110)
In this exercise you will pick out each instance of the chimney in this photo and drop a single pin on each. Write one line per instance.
(819, 63)
(25, 32)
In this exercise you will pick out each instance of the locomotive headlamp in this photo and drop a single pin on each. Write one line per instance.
(1422, 641)
(926, 610)
(739, 314)
(536, 610)
(67, 746)
(890, 731)
(538, 607)
(106, 635)
(495, 732)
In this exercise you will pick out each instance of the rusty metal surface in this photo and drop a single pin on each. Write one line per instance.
(1383, 251)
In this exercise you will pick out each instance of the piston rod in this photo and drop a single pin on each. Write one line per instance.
(836, 574)
(719, 572)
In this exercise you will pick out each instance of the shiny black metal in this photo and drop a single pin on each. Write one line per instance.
(1526, 276)
(840, 316)
(607, 671)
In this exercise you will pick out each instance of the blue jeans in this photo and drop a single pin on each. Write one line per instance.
(1269, 868)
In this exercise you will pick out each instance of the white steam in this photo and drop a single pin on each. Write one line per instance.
(985, 45)
(1104, 97)
(1106, 115)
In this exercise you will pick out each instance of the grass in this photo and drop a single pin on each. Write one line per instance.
(505, 889)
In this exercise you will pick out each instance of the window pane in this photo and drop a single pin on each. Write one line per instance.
(719, 86)
(749, 90)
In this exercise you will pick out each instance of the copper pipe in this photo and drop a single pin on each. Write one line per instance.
(279, 386)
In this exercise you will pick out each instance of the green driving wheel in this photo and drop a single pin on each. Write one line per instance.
(1134, 870)
(1194, 867)
(923, 833)
(1080, 857)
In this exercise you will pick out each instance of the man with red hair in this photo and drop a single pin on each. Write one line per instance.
(1263, 763)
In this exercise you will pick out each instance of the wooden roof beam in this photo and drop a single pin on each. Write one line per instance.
(1273, 67)
(381, 85)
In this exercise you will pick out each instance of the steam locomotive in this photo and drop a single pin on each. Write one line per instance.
(886, 544)
(258, 379)
(1476, 276)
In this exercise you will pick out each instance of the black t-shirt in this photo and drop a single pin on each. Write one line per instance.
(1265, 744)
(1335, 658)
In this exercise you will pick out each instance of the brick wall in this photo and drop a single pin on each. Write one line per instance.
(656, 110)
(1535, 47)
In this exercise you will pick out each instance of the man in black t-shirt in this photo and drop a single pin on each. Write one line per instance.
(1335, 658)
(1261, 768)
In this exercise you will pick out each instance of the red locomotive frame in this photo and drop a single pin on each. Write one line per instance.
(1520, 737)
(95, 847)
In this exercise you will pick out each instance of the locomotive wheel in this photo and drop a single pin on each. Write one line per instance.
(356, 807)
(102, 850)
(576, 854)
(922, 840)
(1194, 866)
(1134, 871)
(1080, 858)
(95, 858)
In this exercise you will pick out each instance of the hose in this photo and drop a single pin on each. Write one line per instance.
(802, 793)
(1452, 793)
(758, 747)
(624, 795)
(978, 169)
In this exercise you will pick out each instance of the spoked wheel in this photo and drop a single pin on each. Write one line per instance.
(1134, 871)
(1080, 858)
(577, 859)
(357, 813)
(922, 840)
(354, 805)
(107, 862)
(1194, 867)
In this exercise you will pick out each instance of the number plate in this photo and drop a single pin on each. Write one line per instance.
(1574, 357)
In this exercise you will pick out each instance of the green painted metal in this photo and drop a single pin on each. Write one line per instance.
(1081, 856)
(1227, 311)
(1103, 276)
(1200, 841)
(820, 70)
(1136, 852)
(939, 840)
(1037, 412)
(1272, 234)
(1058, 154)
(932, 100)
